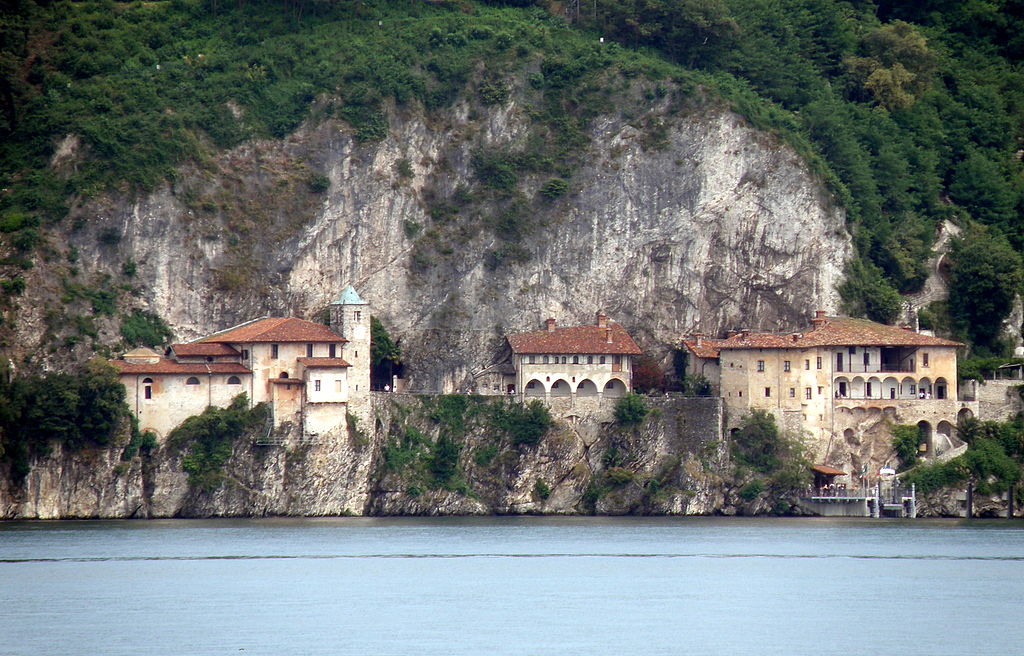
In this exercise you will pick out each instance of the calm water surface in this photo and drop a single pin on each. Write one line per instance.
(512, 586)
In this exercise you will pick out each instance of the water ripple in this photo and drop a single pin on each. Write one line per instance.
(428, 556)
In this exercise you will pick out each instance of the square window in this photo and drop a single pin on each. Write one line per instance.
(792, 392)
(273, 351)
(924, 359)
(785, 365)
(760, 365)
(316, 385)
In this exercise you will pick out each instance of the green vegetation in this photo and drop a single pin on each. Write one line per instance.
(210, 438)
(385, 354)
(541, 489)
(775, 460)
(993, 461)
(79, 410)
(905, 441)
(911, 113)
(142, 328)
(522, 424)
(630, 410)
(427, 462)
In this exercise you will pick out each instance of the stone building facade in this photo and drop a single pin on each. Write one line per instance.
(310, 375)
(576, 364)
(839, 378)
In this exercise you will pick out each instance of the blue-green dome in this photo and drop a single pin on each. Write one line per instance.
(349, 297)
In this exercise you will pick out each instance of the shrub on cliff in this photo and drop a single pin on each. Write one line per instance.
(630, 410)
(522, 423)
(210, 437)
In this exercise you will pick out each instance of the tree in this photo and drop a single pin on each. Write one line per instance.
(630, 410)
(756, 442)
(385, 353)
(647, 374)
(985, 278)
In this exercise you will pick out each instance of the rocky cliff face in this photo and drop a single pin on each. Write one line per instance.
(713, 224)
(671, 464)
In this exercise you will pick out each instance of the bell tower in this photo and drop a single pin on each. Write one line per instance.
(350, 318)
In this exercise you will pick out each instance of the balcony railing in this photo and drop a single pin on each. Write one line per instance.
(884, 368)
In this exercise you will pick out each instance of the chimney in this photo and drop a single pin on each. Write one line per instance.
(602, 320)
(796, 337)
(608, 335)
(698, 339)
(819, 319)
(550, 323)
(744, 333)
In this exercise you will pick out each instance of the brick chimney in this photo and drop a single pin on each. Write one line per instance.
(819, 319)
(602, 320)
(698, 339)
(550, 323)
(796, 337)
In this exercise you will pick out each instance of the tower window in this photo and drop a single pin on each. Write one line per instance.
(273, 351)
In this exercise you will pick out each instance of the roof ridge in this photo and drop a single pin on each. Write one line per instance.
(210, 337)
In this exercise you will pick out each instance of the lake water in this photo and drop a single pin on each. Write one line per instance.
(591, 586)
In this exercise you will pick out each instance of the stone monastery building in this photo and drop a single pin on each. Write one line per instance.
(839, 378)
(309, 374)
(574, 363)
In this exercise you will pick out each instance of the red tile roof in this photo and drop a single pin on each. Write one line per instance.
(590, 339)
(835, 331)
(201, 348)
(276, 329)
(708, 347)
(323, 363)
(828, 471)
(167, 366)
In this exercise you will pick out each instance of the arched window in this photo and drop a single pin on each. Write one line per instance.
(192, 380)
(602, 359)
(545, 359)
(590, 359)
(148, 389)
(234, 380)
(575, 359)
(563, 360)
(147, 381)
(284, 374)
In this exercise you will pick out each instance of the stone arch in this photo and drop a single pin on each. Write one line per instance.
(873, 388)
(857, 388)
(941, 388)
(908, 388)
(191, 380)
(963, 415)
(158, 434)
(614, 389)
(234, 380)
(924, 431)
(842, 387)
(890, 388)
(534, 388)
(874, 413)
(849, 437)
(147, 381)
(283, 374)
(858, 413)
(889, 412)
(924, 386)
(560, 387)
(586, 387)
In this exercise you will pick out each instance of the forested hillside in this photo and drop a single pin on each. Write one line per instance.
(911, 112)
